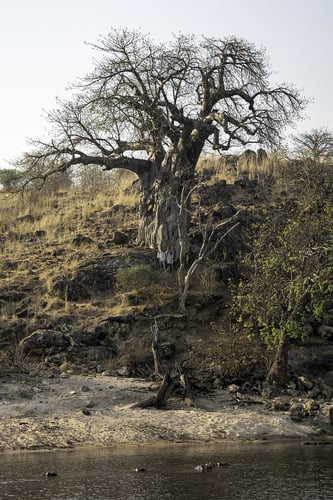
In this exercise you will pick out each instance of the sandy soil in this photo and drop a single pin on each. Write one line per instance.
(75, 410)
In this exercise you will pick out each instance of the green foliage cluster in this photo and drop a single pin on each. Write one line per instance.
(141, 277)
(10, 178)
(287, 280)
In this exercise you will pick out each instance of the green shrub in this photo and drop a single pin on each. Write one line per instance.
(142, 276)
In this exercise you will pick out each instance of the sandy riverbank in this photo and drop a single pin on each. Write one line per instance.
(76, 410)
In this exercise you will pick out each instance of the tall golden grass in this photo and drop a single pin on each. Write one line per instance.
(37, 232)
(36, 242)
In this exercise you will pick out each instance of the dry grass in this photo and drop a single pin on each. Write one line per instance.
(37, 235)
(230, 169)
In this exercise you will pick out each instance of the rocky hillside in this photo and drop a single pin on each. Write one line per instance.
(77, 292)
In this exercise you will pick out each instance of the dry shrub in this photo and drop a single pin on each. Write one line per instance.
(230, 357)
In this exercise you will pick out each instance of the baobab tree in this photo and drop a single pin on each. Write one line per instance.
(151, 108)
(315, 145)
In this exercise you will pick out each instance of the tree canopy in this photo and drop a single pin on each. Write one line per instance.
(145, 100)
(315, 145)
(152, 108)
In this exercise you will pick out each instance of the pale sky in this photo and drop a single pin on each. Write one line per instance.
(43, 50)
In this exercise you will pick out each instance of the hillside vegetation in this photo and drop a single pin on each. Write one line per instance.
(78, 292)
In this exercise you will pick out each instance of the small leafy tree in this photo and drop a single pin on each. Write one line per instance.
(288, 281)
(10, 178)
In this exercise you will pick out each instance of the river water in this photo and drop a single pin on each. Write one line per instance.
(257, 471)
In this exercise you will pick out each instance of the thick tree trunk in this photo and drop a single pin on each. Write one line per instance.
(278, 372)
(158, 219)
(160, 213)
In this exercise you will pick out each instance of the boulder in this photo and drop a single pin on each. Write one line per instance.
(44, 341)
(99, 274)
(304, 383)
(325, 332)
(119, 238)
(215, 193)
(312, 359)
(80, 239)
(113, 325)
(69, 289)
(87, 337)
(167, 350)
(222, 211)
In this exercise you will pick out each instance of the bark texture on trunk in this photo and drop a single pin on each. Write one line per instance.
(164, 219)
(278, 372)
(158, 221)
(160, 215)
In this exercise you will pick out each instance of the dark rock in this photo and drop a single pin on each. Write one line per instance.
(304, 383)
(44, 341)
(210, 195)
(119, 238)
(222, 211)
(151, 311)
(50, 474)
(296, 412)
(280, 405)
(58, 359)
(85, 388)
(40, 233)
(115, 325)
(313, 358)
(99, 274)
(167, 349)
(126, 318)
(246, 183)
(325, 332)
(80, 239)
(86, 337)
(91, 354)
(69, 289)
(310, 408)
